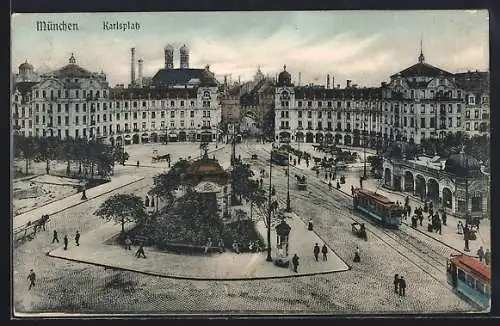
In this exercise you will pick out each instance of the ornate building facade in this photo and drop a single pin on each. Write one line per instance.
(419, 102)
(179, 105)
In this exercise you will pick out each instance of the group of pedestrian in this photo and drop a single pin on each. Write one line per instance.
(55, 238)
(399, 285)
(482, 255)
(324, 251)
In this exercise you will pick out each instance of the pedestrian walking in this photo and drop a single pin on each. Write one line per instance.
(487, 257)
(402, 286)
(128, 244)
(208, 245)
(31, 278)
(43, 220)
(54, 237)
(236, 247)
(221, 246)
(324, 251)
(396, 283)
(140, 251)
(310, 225)
(480, 253)
(316, 251)
(460, 228)
(421, 218)
(352, 190)
(77, 238)
(295, 262)
(443, 217)
(146, 201)
(357, 255)
(65, 242)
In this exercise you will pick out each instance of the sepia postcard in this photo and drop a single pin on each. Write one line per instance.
(263, 163)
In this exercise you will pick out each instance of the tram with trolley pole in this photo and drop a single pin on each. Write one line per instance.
(279, 157)
(377, 207)
(470, 279)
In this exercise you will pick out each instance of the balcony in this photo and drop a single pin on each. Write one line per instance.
(338, 129)
(136, 130)
(49, 125)
(329, 129)
(348, 130)
(319, 128)
(300, 128)
(284, 127)
(92, 123)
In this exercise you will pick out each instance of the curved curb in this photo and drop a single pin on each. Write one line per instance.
(192, 278)
(79, 202)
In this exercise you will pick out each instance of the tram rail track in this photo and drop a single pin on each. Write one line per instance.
(427, 259)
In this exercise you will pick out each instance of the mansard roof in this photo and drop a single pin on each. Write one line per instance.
(307, 92)
(153, 93)
(474, 81)
(183, 76)
(71, 70)
(24, 87)
(422, 69)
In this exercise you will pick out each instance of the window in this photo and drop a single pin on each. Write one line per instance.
(58, 108)
(192, 103)
(134, 104)
(467, 126)
(309, 124)
(459, 121)
(36, 119)
(66, 121)
(459, 108)
(422, 122)
(182, 123)
(422, 108)
(153, 115)
(450, 122)
(143, 103)
(412, 109)
(470, 281)
(182, 113)
(172, 124)
(348, 115)
(144, 126)
(432, 122)
(309, 103)
(144, 115)
(58, 120)
(476, 114)
(433, 108)
(299, 104)
(404, 122)
(172, 103)
(319, 115)
(329, 114)
(412, 122)
(467, 114)
(300, 124)
(476, 125)
(309, 114)
(320, 104)
(172, 114)
(162, 115)
(104, 118)
(339, 116)
(126, 115)
(472, 100)
(299, 113)
(135, 115)
(450, 108)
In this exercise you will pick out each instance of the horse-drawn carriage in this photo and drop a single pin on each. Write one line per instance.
(158, 158)
(301, 182)
(359, 230)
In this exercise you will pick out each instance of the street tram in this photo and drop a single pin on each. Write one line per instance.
(279, 157)
(377, 207)
(301, 182)
(470, 279)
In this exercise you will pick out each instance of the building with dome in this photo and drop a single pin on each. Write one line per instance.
(319, 114)
(456, 183)
(176, 105)
(419, 102)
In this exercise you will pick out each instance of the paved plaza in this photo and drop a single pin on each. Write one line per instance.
(211, 266)
(335, 286)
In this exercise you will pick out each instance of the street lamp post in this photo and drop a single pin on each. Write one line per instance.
(288, 208)
(364, 150)
(269, 258)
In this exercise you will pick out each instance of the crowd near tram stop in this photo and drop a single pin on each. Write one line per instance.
(282, 239)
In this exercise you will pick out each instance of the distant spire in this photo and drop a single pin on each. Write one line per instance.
(421, 57)
(284, 67)
(72, 59)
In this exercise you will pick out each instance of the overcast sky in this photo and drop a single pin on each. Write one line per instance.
(364, 46)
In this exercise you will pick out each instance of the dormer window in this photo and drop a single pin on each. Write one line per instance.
(472, 100)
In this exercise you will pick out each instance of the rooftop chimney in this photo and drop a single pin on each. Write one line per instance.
(348, 84)
(300, 77)
(333, 81)
(139, 78)
(338, 85)
(327, 81)
(132, 66)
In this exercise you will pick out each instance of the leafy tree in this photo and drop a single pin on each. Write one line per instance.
(241, 179)
(122, 208)
(256, 195)
(268, 123)
(166, 183)
(28, 147)
(119, 155)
